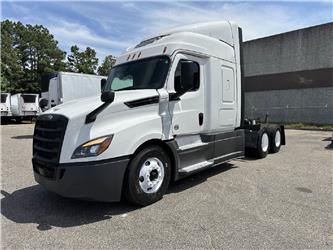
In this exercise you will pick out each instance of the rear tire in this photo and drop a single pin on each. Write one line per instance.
(275, 141)
(148, 176)
(263, 144)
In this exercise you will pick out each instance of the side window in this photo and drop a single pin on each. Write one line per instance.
(187, 76)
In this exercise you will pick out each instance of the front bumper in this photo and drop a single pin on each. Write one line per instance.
(29, 113)
(99, 180)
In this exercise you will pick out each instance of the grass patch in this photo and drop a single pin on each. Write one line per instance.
(308, 126)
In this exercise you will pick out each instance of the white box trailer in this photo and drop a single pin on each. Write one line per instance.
(5, 105)
(25, 106)
(61, 87)
(172, 106)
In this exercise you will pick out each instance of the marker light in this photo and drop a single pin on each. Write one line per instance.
(93, 148)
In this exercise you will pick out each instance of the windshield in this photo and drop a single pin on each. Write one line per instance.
(3, 98)
(147, 73)
(29, 98)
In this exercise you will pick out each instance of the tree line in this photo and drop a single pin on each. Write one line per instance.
(30, 51)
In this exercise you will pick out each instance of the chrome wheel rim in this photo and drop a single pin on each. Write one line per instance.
(277, 139)
(151, 175)
(264, 142)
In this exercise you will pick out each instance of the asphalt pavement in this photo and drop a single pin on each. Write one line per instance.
(282, 201)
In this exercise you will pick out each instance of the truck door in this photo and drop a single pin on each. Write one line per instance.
(228, 105)
(187, 111)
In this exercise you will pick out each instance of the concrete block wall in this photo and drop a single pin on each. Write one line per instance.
(310, 105)
(305, 49)
(290, 76)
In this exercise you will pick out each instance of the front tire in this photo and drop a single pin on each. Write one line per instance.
(148, 176)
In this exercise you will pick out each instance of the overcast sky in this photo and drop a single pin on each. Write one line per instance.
(110, 27)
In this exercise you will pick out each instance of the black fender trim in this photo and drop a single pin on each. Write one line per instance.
(143, 101)
(91, 117)
(173, 147)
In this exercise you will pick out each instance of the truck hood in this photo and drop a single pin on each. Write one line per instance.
(83, 106)
(117, 119)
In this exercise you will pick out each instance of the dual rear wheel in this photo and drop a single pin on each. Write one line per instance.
(269, 141)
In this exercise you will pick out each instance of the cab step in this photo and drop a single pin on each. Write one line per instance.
(196, 167)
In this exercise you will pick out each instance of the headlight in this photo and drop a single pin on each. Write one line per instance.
(93, 148)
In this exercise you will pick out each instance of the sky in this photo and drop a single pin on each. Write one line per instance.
(112, 26)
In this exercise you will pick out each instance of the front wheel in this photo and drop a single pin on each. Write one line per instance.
(148, 176)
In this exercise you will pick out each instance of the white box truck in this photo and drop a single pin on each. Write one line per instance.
(24, 106)
(5, 106)
(172, 106)
(61, 87)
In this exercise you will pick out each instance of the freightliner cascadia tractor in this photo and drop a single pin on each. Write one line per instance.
(173, 105)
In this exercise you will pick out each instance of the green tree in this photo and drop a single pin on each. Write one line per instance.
(27, 52)
(82, 62)
(107, 65)
(4, 84)
(11, 71)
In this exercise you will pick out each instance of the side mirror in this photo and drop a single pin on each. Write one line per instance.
(103, 83)
(107, 96)
(184, 82)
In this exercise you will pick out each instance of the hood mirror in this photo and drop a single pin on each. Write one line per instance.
(107, 96)
(103, 83)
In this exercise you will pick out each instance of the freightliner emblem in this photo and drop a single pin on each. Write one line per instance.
(49, 117)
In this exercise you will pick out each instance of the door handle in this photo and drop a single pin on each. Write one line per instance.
(201, 117)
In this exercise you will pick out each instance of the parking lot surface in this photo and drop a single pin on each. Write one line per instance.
(282, 201)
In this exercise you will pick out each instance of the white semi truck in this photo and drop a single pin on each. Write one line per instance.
(24, 106)
(5, 106)
(172, 106)
(61, 87)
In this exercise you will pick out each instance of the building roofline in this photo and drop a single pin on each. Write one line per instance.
(292, 31)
